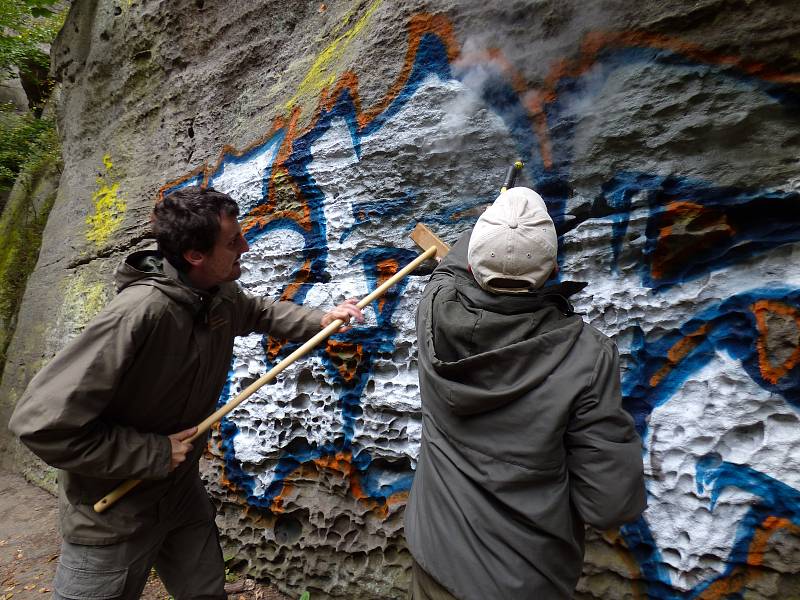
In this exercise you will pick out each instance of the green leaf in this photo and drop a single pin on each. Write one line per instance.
(306, 596)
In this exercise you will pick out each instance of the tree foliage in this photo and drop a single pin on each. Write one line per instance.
(25, 27)
(20, 138)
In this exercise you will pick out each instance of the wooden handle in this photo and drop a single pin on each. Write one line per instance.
(110, 498)
(115, 495)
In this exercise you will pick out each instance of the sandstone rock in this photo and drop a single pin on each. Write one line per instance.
(663, 137)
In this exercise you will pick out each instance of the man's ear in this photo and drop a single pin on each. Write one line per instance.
(194, 257)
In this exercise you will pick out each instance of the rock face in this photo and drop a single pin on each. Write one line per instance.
(663, 137)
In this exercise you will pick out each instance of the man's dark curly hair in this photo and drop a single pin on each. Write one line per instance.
(188, 219)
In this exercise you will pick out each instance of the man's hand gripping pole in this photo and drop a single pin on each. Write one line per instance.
(435, 249)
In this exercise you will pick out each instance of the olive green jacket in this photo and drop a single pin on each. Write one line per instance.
(152, 363)
(524, 439)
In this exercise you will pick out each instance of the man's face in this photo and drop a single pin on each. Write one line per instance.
(221, 263)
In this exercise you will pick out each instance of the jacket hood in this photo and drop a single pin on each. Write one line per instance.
(485, 350)
(148, 267)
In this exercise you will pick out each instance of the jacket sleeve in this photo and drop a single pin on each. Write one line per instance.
(60, 417)
(285, 320)
(604, 452)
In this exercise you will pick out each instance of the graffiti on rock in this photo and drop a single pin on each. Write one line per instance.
(686, 238)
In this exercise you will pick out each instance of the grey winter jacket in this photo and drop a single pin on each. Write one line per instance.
(524, 440)
(152, 363)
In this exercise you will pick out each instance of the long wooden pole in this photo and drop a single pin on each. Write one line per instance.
(110, 498)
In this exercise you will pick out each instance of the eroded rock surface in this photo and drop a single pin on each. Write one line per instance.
(662, 136)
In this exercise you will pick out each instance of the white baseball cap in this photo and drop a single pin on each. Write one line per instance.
(513, 247)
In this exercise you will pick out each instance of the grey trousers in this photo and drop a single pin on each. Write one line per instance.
(185, 553)
(425, 587)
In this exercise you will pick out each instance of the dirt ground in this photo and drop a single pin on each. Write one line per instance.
(29, 547)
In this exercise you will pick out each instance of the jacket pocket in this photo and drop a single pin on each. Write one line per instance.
(74, 583)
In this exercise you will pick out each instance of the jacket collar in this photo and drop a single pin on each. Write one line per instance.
(512, 304)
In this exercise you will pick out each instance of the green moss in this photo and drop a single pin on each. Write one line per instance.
(43, 476)
(22, 224)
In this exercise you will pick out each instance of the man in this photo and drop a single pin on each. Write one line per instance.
(119, 402)
(523, 437)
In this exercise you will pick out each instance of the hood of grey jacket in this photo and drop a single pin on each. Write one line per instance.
(477, 341)
(148, 267)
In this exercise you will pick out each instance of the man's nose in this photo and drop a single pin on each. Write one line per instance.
(243, 245)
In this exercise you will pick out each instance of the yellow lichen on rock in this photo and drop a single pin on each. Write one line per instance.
(85, 295)
(323, 72)
(84, 299)
(109, 207)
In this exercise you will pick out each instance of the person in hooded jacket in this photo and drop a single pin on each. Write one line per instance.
(524, 440)
(119, 401)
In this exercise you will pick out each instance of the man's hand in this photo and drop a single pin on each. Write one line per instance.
(180, 448)
(345, 311)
